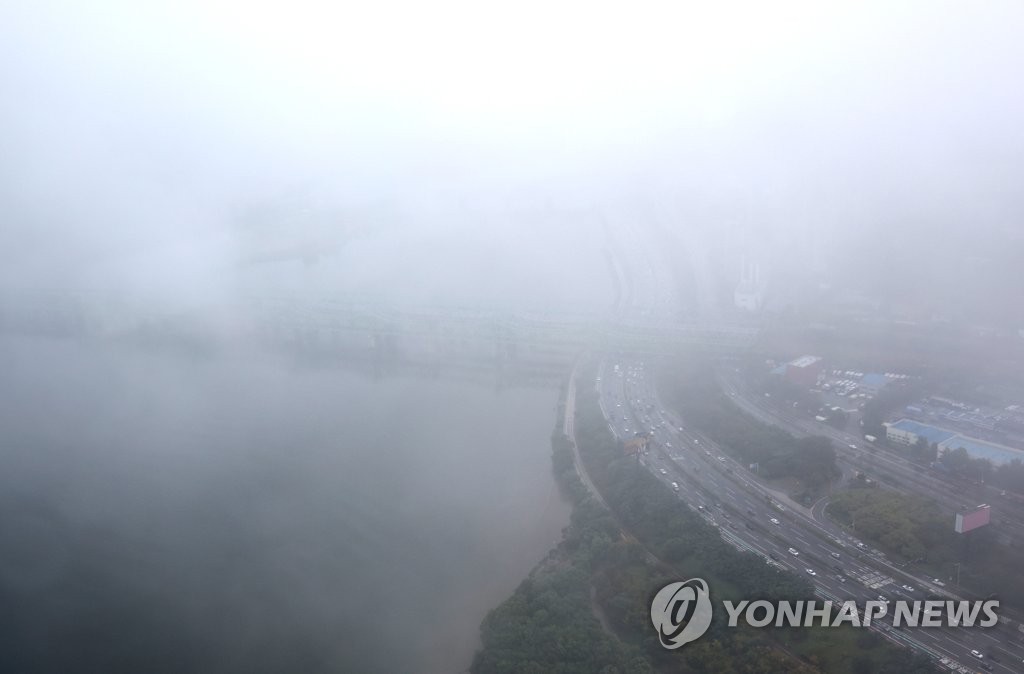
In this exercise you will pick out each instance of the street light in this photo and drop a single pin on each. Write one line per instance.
(957, 565)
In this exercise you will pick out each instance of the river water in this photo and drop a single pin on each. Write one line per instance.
(162, 512)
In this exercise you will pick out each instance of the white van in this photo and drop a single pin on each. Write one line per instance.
(675, 486)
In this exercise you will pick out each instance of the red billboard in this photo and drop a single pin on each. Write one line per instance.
(972, 519)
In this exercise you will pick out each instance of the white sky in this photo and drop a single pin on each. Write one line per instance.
(151, 121)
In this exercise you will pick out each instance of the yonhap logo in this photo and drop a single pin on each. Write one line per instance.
(681, 612)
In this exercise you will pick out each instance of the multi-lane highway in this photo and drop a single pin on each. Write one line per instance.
(853, 454)
(752, 517)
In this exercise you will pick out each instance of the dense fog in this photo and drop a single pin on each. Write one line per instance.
(213, 439)
(161, 147)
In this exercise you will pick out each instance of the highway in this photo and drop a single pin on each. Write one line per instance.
(853, 455)
(747, 513)
(752, 517)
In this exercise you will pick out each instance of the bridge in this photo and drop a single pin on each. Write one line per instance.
(371, 326)
(506, 333)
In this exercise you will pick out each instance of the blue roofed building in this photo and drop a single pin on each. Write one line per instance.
(906, 432)
(873, 382)
(979, 449)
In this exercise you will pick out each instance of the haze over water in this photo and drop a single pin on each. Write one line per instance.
(232, 513)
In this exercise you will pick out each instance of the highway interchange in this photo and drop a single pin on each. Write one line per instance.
(729, 496)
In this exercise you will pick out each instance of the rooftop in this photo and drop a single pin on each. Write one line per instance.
(929, 433)
(979, 449)
(874, 380)
(805, 361)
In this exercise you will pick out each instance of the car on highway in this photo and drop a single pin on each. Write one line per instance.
(810, 572)
(774, 521)
(835, 554)
(883, 599)
(663, 471)
(908, 588)
(794, 552)
(675, 486)
(977, 654)
(722, 459)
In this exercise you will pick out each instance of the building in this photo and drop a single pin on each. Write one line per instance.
(980, 449)
(906, 432)
(804, 370)
(749, 293)
(872, 383)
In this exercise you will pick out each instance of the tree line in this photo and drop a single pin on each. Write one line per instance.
(551, 623)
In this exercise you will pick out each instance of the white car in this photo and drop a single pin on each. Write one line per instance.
(675, 486)
(810, 572)
(774, 521)
(907, 588)
(722, 459)
(977, 654)
(883, 599)
(668, 444)
(834, 554)
(663, 471)
(852, 446)
(794, 552)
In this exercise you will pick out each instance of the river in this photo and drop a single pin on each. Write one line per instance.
(164, 512)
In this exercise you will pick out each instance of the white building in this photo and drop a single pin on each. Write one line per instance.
(749, 293)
